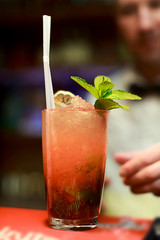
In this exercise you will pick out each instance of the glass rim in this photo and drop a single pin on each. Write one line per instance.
(73, 110)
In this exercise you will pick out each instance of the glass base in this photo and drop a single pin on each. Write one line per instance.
(74, 225)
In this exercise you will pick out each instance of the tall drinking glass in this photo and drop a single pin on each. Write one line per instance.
(74, 156)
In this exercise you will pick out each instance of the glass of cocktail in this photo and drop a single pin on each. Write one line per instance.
(74, 156)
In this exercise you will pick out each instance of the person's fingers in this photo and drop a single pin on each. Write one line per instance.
(140, 161)
(145, 175)
(135, 164)
(122, 157)
(153, 187)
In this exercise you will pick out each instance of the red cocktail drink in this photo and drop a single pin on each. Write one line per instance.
(74, 157)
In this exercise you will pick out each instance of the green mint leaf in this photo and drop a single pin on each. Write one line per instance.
(103, 85)
(121, 95)
(104, 88)
(108, 104)
(85, 85)
(100, 79)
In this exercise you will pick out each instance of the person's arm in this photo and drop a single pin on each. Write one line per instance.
(141, 170)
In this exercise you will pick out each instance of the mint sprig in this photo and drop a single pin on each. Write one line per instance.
(102, 90)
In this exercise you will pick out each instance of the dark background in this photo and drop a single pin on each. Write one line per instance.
(84, 42)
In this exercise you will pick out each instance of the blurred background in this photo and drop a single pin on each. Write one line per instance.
(83, 42)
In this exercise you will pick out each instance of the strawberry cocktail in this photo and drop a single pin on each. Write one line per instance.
(74, 157)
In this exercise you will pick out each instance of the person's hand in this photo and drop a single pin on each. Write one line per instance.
(141, 170)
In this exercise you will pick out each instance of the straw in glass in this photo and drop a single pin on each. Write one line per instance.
(47, 73)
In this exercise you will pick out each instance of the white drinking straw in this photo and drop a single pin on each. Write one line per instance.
(47, 73)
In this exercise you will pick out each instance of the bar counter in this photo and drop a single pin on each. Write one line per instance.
(30, 224)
